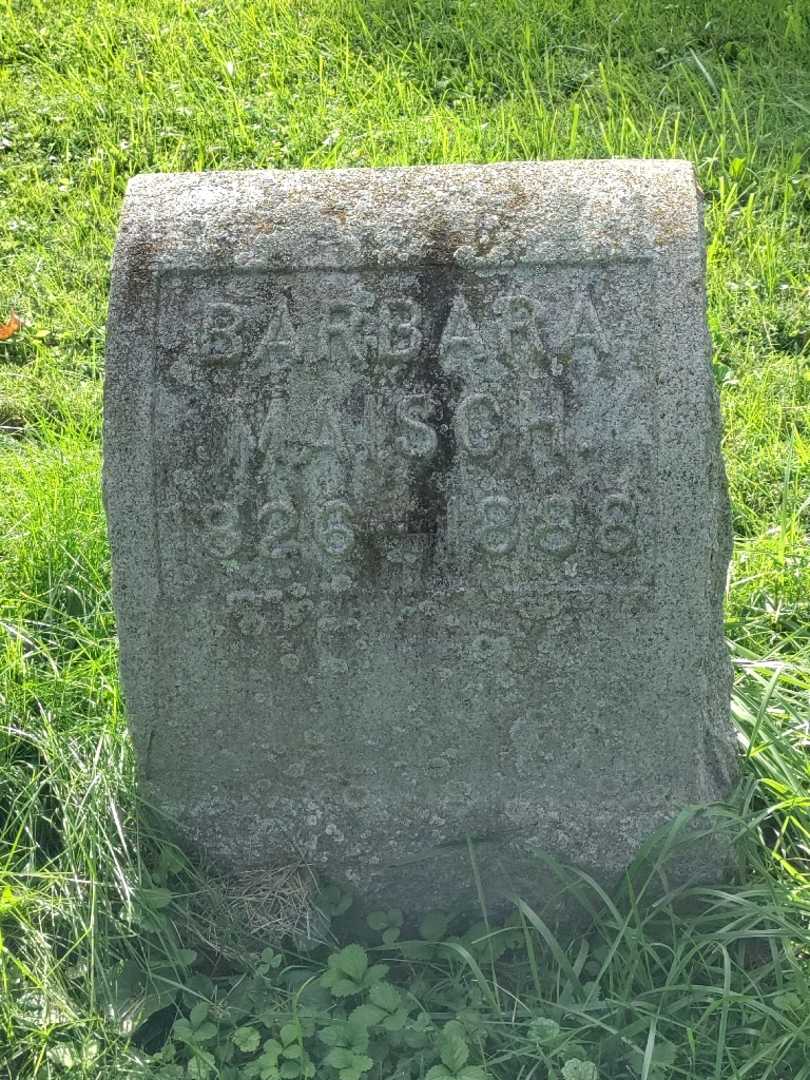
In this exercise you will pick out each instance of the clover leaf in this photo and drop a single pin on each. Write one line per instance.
(453, 1048)
(575, 1069)
(348, 972)
(246, 1039)
(434, 926)
(349, 1065)
(543, 1030)
(201, 1066)
(388, 923)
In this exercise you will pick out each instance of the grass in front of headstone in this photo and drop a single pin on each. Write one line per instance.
(106, 958)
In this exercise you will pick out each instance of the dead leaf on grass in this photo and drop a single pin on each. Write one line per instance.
(11, 326)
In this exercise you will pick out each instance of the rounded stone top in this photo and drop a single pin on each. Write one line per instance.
(477, 216)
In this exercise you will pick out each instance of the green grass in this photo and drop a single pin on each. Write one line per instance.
(707, 987)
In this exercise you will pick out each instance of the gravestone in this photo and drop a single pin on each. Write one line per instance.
(418, 518)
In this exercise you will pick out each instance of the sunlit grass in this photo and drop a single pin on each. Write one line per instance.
(93, 92)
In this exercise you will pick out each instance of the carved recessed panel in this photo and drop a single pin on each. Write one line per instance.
(475, 435)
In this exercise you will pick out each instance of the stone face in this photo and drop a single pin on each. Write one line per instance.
(418, 517)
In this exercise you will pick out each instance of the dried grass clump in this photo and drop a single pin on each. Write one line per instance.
(246, 912)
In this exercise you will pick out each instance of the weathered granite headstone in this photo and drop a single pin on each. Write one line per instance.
(418, 517)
